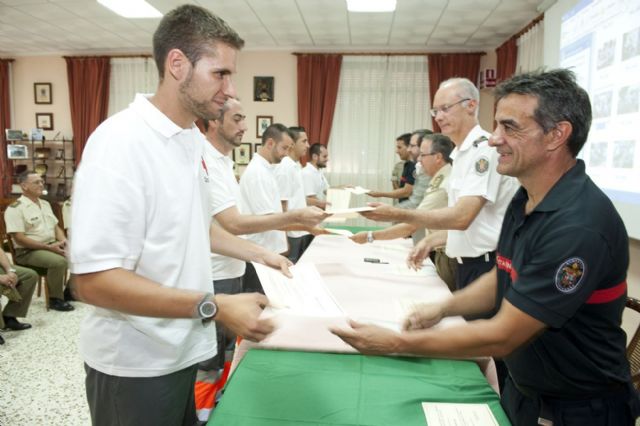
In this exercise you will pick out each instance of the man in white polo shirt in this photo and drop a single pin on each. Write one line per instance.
(315, 183)
(259, 194)
(224, 134)
(140, 246)
(291, 186)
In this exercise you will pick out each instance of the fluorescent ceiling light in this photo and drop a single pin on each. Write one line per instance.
(131, 8)
(371, 5)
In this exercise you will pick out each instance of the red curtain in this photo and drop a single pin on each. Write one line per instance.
(318, 79)
(507, 56)
(6, 168)
(88, 96)
(443, 66)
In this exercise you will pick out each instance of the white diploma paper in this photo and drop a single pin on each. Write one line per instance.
(305, 293)
(358, 190)
(452, 414)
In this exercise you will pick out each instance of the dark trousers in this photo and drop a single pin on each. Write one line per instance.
(250, 281)
(472, 268)
(618, 408)
(297, 247)
(225, 338)
(139, 401)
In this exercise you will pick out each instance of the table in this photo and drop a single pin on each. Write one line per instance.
(299, 384)
(287, 388)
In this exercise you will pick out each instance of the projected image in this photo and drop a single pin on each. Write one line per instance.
(623, 154)
(631, 44)
(629, 99)
(606, 54)
(598, 154)
(602, 104)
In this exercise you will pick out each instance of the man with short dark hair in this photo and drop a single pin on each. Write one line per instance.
(291, 186)
(407, 178)
(260, 195)
(142, 235)
(315, 183)
(560, 280)
(421, 179)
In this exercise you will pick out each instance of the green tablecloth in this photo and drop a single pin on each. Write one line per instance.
(278, 388)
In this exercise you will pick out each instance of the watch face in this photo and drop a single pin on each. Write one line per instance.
(207, 309)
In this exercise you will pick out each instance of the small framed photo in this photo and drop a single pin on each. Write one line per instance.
(17, 152)
(263, 89)
(262, 122)
(242, 154)
(44, 120)
(42, 93)
(60, 154)
(13, 134)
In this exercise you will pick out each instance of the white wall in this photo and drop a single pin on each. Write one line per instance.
(41, 69)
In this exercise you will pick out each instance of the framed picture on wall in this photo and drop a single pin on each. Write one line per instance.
(262, 122)
(42, 93)
(17, 152)
(263, 89)
(256, 146)
(242, 154)
(44, 120)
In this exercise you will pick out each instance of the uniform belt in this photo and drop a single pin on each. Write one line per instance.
(489, 256)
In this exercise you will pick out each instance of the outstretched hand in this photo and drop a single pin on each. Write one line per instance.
(382, 213)
(369, 339)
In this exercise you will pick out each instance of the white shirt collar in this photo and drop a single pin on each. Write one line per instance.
(155, 118)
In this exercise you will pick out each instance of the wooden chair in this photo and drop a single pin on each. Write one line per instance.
(633, 350)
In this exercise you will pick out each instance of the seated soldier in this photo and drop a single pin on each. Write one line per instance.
(39, 241)
(17, 284)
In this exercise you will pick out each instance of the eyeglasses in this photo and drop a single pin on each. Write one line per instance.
(426, 155)
(445, 109)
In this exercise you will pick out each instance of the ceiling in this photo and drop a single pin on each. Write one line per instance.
(41, 27)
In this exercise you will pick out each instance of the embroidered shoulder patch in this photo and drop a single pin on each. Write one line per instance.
(482, 165)
(435, 183)
(570, 274)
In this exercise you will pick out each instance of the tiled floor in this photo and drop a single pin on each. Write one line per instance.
(41, 373)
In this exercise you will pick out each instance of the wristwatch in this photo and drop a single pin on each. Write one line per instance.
(207, 308)
(12, 270)
(369, 236)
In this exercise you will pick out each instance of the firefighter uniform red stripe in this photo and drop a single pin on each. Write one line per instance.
(607, 295)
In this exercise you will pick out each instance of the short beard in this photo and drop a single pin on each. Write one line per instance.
(199, 109)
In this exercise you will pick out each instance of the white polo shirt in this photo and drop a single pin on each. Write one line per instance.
(259, 195)
(291, 186)
(315, 183)
(474, 174)
(224, 192)
(140, 203)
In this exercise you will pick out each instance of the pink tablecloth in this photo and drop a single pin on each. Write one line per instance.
(368, 292)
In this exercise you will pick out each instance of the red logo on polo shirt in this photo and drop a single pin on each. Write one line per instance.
(504, 264)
